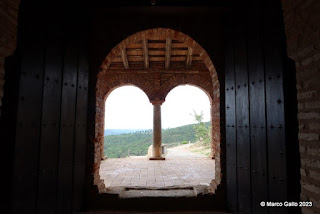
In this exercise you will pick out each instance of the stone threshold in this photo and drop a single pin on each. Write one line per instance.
(159, 192)
(154, 212)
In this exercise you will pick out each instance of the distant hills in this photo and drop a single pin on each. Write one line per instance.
(108, 132)
(136, 142)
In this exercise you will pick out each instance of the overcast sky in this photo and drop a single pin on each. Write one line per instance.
(128, 107)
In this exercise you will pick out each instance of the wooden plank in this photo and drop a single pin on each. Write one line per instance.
(25, 169)
(179, 52)
(274, 56)
(81, 130)
(196, 58)
(134, 46)
(156, 59)
(171, 71)
(49, 145)
(156, 45)
(135, 59)
(157, 52)
(134, 52)
(67, 129)
(259, 167)
(168, 53)
(189, 57)
(243, 119)
(124, 58)
(145, 53)
(231, 135)
(178, 58)
(157, 41)
(179, 45)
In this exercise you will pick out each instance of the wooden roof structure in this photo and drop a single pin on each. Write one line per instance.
(157, 60)
(157, 49)
(166, 54)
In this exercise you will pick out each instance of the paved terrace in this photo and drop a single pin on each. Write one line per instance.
(172, 172)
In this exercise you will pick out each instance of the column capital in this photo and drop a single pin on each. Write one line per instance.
(156, 102)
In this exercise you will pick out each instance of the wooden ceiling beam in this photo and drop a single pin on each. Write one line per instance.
(124, 58)
(145, 52)
(189, 57)
(168, 53)
(157, 71)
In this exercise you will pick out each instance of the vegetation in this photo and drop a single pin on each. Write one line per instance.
(202, 130)
(124, 145)
(137, 143)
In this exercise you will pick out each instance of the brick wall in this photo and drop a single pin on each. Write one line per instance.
(8, 35)
(302, 25)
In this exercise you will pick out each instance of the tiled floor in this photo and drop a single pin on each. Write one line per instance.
(141, 172)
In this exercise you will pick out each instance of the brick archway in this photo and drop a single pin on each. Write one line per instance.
(156, 61)
(193, 80)
(106, 85)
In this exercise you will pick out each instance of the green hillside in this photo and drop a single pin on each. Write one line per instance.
(136, 144)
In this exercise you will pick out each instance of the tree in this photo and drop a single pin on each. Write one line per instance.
(202, 131)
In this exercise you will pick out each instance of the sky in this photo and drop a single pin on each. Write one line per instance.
(128, 107)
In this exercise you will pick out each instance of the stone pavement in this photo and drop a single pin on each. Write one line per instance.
(141, 172)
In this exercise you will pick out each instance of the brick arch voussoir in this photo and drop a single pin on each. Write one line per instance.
(195, 80)
(108, 83)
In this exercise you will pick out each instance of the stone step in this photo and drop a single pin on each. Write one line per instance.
(160, 192)
(156, 212)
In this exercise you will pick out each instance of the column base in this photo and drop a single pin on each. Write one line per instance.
(157, 158)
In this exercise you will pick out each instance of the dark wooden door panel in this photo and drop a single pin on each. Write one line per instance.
(259, 170)
(81, 130)
(254, 67)
(231, 147)
(243, 119)
(274, 56)
(67, 128)
(25, 178)
(49, 144)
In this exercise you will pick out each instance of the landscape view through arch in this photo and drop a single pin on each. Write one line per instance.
(185, 122)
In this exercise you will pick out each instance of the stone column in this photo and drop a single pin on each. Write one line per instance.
(157, 144)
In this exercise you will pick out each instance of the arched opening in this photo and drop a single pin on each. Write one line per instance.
(187, 109)
(156, 61)
(128, 117)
